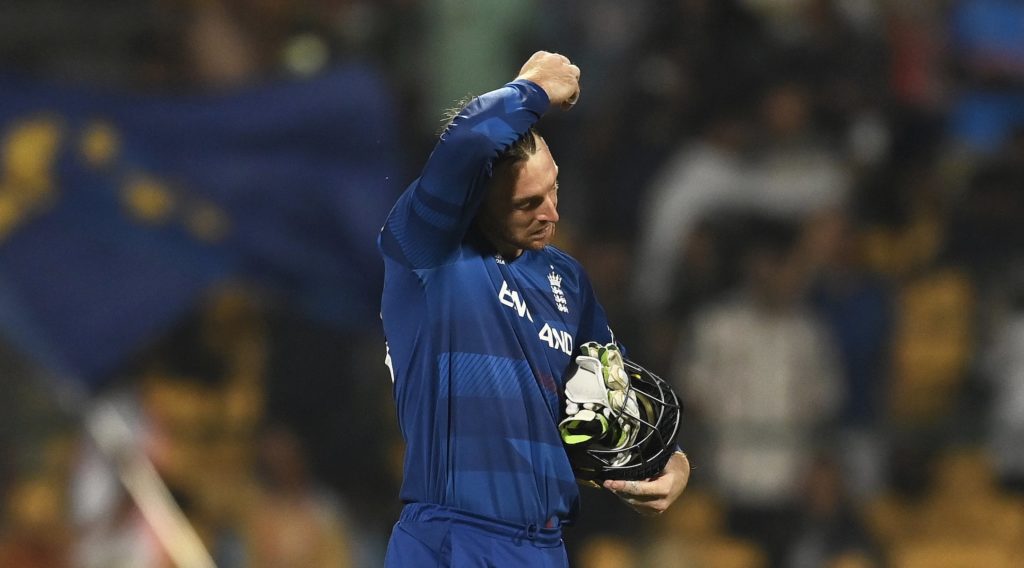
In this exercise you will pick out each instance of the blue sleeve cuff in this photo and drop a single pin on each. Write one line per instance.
(536, 98)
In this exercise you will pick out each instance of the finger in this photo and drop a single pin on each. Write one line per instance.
(571, 100)
(623, 487)
(638, 501)
(644, 491)
(627, 486)
(614, 484)
(641, 488)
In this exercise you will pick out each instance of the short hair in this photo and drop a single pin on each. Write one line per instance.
(521, 149)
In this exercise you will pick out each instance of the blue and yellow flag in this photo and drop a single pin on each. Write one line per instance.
(118, 211)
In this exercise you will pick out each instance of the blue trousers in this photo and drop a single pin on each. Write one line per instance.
(429, 536)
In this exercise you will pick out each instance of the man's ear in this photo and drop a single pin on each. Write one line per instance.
(499, 187)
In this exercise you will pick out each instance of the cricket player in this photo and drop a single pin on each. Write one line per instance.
(482, 317)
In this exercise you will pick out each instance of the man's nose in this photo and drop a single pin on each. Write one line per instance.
(548, 211)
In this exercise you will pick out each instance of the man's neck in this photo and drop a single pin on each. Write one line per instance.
(507, 250)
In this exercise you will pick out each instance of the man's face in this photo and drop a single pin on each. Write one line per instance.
(521, 208)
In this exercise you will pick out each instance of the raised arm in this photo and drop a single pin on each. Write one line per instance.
(430, 219)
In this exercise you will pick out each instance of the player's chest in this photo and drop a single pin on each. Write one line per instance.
(538, 304)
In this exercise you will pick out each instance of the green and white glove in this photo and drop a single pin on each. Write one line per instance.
(599, 401)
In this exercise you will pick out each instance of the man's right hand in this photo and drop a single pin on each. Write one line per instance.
(554, 73)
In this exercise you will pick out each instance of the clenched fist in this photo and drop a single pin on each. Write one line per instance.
(554, 73)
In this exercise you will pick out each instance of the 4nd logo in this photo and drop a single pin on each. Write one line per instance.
(556, 339)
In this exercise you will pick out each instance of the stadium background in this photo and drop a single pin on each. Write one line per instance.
(807, 214)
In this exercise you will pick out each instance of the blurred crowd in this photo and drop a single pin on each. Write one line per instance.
(775, 205)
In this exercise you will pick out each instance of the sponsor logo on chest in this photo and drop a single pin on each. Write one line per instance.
(512, 299)
(557, 339)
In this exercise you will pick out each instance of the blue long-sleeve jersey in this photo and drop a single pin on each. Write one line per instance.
(479, 345)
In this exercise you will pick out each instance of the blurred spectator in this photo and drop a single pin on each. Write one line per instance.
(829, 526)
(856, 306)
(37, 449)
(707, 174)
(297, 523)
(985, 230)
(195, 403)
(934, 317)
(917, 74)
(793, 176)
(339, 404)
(933, 344)
(796, 173)
(698, 67)
(1004, 367)
(175, 410)
(760, 373)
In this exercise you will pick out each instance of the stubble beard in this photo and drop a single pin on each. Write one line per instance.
(542, 239)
